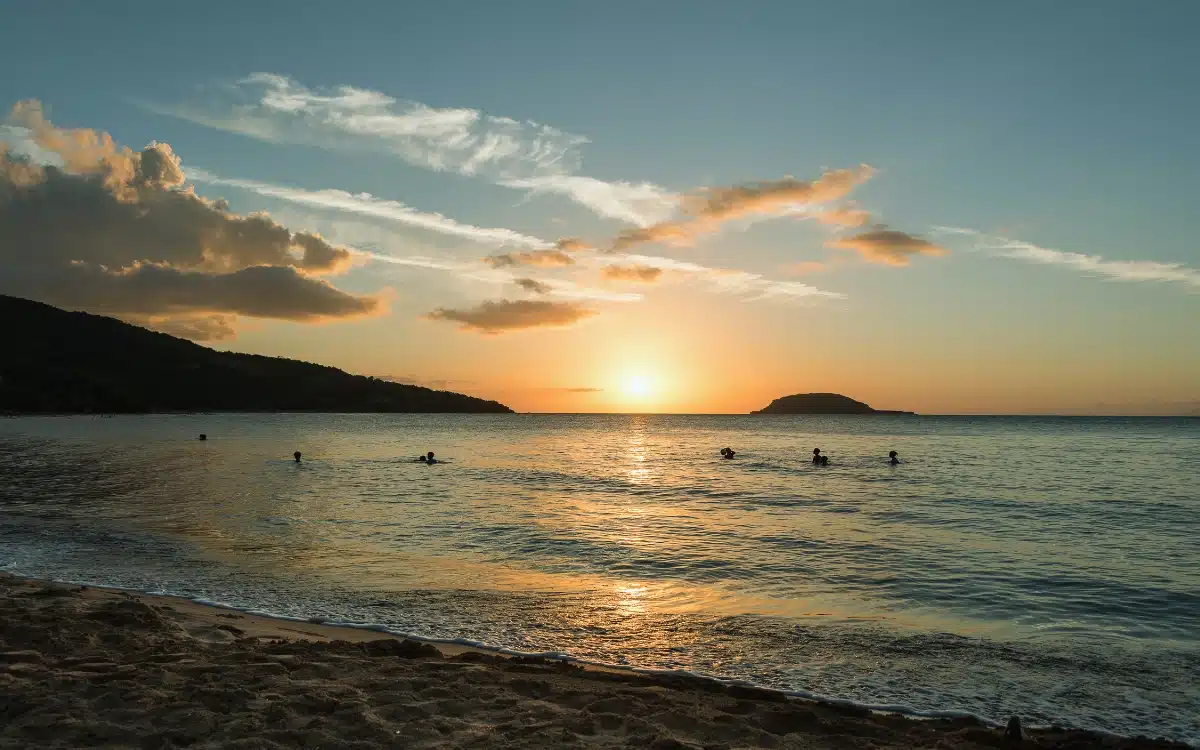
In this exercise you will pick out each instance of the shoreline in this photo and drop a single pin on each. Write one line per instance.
(59, 643)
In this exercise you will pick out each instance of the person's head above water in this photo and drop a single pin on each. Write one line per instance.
(429, 456)
(724, 451)
(203, 436)
(296, 456)
(816, 451)
(824, 460)
(891, 454)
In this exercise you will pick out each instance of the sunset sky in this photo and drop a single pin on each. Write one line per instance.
(670, 207)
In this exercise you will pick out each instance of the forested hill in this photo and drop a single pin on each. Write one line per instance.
(54, 361)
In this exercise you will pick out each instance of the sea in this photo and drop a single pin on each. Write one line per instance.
(1046, 567)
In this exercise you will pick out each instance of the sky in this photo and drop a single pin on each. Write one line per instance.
(630, 207)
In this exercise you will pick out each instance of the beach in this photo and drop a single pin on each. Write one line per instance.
(90, 667)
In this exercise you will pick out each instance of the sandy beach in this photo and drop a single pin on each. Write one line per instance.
(88, 667)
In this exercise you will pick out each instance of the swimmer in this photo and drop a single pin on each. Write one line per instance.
(728, 452)
(894, 460)
(429, 459)
(421, 459)
(817, 456)
(824, 460)
(296, 456)
(203, 436)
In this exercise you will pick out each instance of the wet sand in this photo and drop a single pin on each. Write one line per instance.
(87, 667)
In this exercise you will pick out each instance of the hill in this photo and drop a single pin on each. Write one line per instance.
(54, 361)
(820, 403)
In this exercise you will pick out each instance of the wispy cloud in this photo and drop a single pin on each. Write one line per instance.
(707, 210)
(751, 286)
(522, 155)
(640, 203)
(500, 316)
(638, 273)
(888, 246)
(542, 258)
(278, 109)
(365, 204)
(474, 271)
(1092, 265)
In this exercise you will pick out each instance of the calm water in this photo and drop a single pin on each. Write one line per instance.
(1049, 567)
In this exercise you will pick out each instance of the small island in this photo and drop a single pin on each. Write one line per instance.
(822, 403)
(60, 362)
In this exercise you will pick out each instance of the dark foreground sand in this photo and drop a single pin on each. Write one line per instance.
(99, 668)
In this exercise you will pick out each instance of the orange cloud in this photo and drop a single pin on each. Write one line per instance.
(572, 245)
(499, 316)
(843, 216)
(532, 285)
(635, 272)
(705, 211)
(541, 258)
(719, 205)
(888, 246)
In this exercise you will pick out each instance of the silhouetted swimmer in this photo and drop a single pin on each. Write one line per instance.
(824, 460)
(728, 452)
(817, 456)
(421, 459)
(429, 459)
(1012, 732)
(894, 460)
(203, 436)
(296, 456)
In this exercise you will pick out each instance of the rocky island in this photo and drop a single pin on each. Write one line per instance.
(821, 403)
(60, 362)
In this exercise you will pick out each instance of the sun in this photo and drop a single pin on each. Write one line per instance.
(637, 385)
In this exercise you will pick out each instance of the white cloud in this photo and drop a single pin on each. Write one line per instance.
(366, 204)
(1093, 265)
(275, 108)
(752, 286)
(641, 203)
(526, 156)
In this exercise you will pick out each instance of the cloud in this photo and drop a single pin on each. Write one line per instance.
(494, 317)
(843, 216)
(640, 203)
(642, 274)
(474, 272)
(365, 204)
(888, 246)
(277, 109)
(527, 156)
(751, 286)
(718, 205)
(572, 245)
(533, 285)
(1092, 265)
(582, 390)
(115, 231)
(707, 210)
(198, 328)
(542, 258)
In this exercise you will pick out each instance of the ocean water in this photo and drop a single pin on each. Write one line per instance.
(1043, 566)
